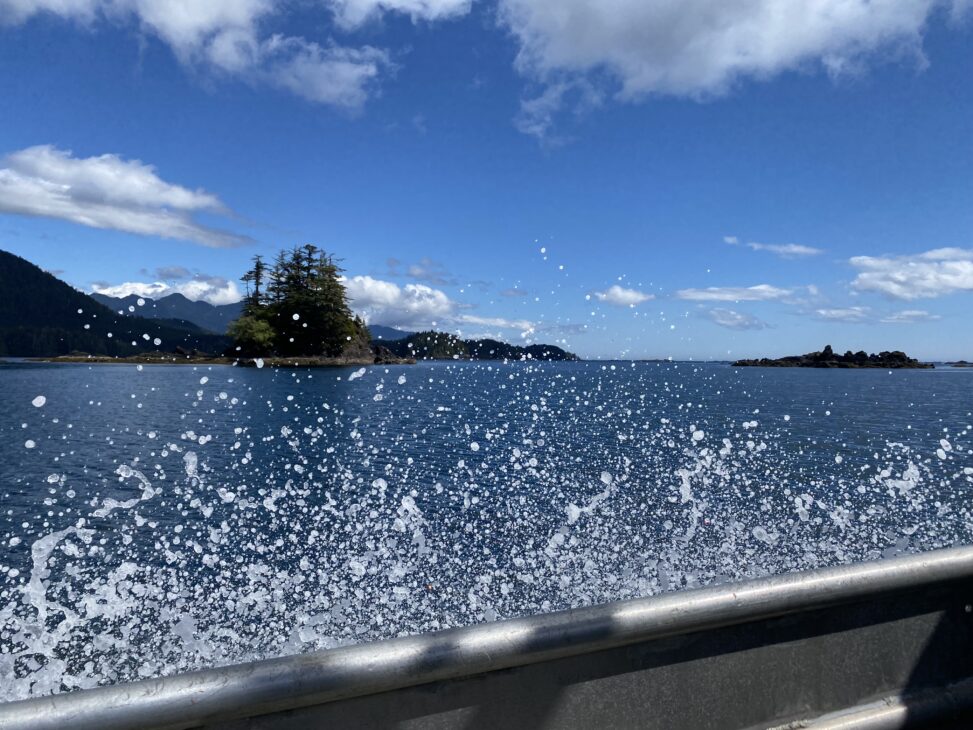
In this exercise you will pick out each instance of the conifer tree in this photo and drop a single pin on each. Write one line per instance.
(297, 308)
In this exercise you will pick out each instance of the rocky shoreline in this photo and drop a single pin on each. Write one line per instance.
(828, 358)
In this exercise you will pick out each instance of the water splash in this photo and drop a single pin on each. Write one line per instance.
(319, 517)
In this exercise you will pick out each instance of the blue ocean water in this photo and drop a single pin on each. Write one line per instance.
(163, 518)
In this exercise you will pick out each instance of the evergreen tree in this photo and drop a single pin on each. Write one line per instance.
(254, 298)
(304, 311)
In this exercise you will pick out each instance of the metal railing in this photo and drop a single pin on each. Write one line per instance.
(845, 620)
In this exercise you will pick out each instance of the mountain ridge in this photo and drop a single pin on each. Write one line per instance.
(210, 317)
(42, 316)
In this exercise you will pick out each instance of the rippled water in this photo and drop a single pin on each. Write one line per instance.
(171, 518)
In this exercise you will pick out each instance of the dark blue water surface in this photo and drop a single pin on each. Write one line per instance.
(174, 517)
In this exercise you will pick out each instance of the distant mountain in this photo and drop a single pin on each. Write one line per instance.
(41, 316)
(211, 317)
(442, 346)
(383, 333)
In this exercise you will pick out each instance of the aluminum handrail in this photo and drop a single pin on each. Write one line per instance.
(262, 687)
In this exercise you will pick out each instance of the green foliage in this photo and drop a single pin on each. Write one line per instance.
(431, 346)
(252, 335)
(442, 346)
(301, 307)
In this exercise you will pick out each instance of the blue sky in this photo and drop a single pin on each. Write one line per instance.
(634, 179)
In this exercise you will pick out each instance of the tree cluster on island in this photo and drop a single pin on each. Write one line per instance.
(828, 358)
(298, 307)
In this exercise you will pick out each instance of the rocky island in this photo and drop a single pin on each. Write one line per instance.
(828, 358)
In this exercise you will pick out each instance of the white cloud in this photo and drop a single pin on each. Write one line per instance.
(107, 192)
(537, 115)
(784, 250)
(860, 315)
(418, 306)
(851, 315)
(924, 276)
(619, 296)
(761, 292)
(224, 37)
(910, 316)
(212, 289)
(353, 13)
(525, 325)
(735, 320)
(702, 47)
(409, 306)
(325, 75)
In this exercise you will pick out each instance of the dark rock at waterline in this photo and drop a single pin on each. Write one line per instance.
(828, 358)
(384, 356)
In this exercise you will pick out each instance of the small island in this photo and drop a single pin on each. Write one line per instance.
(828, 358)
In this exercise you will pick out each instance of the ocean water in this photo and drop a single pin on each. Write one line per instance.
(169, 518)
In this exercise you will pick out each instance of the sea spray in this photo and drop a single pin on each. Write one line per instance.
(252, 524)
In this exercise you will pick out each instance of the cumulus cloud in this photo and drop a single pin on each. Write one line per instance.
(923, 276)
(418, 306)
(850, 315)
(734, 320)
(108, 192)
(910, 316)
(784, 250)
(701, 47)
(759, 293)
(323, 74)
(212, 289)
(353, 13)
(224, 38)
(409, 306)
(619, 296)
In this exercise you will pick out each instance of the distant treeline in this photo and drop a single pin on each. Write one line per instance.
(443, 346)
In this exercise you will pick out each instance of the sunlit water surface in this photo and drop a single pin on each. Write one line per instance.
(173, 518)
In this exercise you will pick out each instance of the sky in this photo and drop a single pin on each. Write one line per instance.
(704, 179)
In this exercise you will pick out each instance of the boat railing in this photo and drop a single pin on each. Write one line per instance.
(886, 643)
